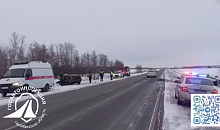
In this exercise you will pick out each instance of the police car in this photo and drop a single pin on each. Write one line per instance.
(193, 83)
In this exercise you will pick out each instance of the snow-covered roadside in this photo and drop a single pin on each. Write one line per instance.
(59, 89)
(176, 117)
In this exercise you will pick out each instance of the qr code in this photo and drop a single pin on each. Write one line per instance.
(205, 110)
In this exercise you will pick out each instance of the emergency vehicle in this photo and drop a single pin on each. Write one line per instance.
(35, 73)
(126, 71)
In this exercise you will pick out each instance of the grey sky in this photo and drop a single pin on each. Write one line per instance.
(148, 32)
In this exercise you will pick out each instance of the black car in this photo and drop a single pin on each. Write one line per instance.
(75, 79)
(69, 79)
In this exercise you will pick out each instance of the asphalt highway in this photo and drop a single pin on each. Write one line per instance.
(126, 104)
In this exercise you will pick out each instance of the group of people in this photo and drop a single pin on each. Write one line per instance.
(101, 75)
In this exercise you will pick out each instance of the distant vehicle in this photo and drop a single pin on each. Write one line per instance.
(118, 74)
(36, 74)
(151, 73)
(126, 71)
(193, 83)
(70, 79)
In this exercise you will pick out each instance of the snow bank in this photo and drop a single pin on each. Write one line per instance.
(58, 89)
(176, 117)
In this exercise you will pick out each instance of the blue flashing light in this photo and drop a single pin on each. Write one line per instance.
(202, 75)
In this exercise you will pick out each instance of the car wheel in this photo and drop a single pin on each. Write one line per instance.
(4, 94)
(175, 95)
(46, 88)
(79, 83)
(178, 101)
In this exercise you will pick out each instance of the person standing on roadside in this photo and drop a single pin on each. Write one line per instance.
(111, 74)
(90, 77)
(61, 79)
(101, 75)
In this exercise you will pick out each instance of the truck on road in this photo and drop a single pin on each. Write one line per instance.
(126, 71)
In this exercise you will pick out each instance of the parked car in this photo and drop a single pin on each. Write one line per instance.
(118, 74)
(69, 79)
(36, 74)
(193, 83)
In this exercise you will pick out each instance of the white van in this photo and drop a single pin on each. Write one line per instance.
(35, 73)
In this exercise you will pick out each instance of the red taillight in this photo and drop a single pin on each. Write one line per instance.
(185, 89)
(215, 92)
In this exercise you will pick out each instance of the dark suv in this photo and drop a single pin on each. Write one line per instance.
(69, 79)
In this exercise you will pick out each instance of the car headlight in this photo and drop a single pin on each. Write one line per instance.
(16, 84)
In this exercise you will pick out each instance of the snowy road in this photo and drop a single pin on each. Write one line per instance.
(126, 104)
(59, 89)
(177, 117)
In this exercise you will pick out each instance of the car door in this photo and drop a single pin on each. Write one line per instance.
(29, 77)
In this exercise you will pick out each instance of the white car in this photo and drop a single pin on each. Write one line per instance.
(36, 74)
(118, 75)
(151, 73)
(193, 83)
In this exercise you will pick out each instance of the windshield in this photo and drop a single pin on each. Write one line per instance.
(198, 81)
(215, 82)
(14, 73)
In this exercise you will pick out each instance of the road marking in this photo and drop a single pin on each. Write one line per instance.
(24, 123)
(109, 90)
(154, 112)
(91, 108)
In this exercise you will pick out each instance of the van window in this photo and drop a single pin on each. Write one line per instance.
(29, 71)
(14, 73)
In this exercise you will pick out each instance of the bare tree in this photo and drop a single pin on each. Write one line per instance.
(77, 68)
(13, 47)
(21, 50)
(4, 59)
(63, 57)
(94, 60)
(138, 68)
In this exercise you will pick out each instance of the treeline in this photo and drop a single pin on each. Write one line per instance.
(64, 57)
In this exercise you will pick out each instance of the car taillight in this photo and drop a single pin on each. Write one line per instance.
(215, 92)
(185, 89)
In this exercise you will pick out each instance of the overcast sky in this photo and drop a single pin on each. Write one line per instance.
(147, 32)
